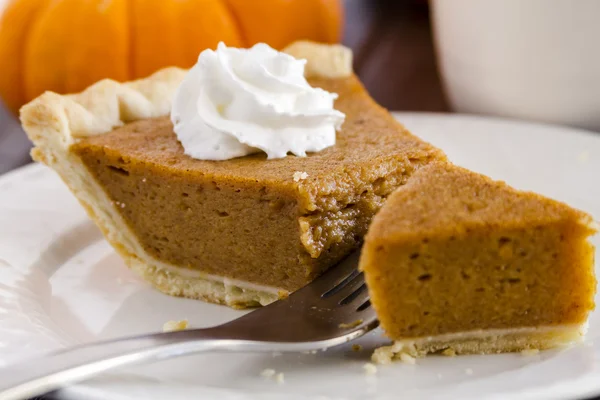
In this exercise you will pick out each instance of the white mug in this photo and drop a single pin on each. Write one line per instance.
(529, 59)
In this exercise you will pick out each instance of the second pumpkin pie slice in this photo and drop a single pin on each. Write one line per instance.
(457, 262)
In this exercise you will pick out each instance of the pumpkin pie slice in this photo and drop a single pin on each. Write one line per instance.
(458, 263)
(241, 232)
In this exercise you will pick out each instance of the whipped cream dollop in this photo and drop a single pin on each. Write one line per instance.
(236, 102)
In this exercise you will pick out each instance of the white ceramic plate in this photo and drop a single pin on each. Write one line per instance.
(61, 284)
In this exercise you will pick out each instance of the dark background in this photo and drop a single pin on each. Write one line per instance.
(394, 57)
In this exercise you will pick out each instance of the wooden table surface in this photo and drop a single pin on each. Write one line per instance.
(393, 56)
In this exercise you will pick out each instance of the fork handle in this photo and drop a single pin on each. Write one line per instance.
(52, 371)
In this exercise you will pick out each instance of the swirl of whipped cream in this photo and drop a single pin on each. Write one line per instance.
(236, 102)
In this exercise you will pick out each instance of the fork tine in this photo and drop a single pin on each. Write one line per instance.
(354, 295)
(328, 307)
(352, 292)
(347, 289)
(343, 285)
(364, 306)
(335, 276)
(357, 298)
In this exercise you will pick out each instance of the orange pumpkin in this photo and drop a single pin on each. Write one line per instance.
(65, 45)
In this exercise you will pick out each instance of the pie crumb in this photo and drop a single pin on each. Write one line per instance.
(356, 347)
(449, 352)
(353, 324)
(267, 373)
(405, 352)
(383, 355)
(270, 373)
(370, 369)
(279, 378)
(299, 175)
(172, 326)
(407, 358)
(583, 157)
(529, 352)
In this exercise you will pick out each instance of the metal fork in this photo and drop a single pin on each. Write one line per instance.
(331, 310)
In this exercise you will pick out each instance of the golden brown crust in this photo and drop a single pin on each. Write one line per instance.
(484, 342)
(323, 60)
(100, 108)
